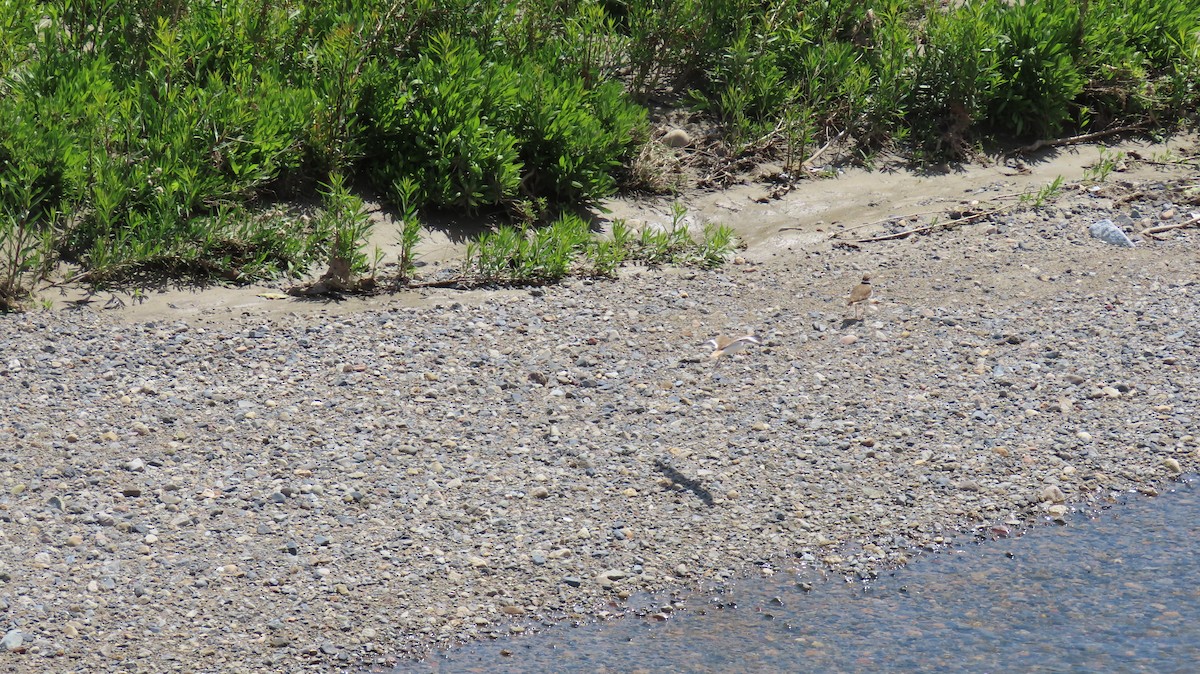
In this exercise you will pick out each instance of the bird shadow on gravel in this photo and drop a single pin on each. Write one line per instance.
(687, 483)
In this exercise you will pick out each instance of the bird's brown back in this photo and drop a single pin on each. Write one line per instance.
(861, 292)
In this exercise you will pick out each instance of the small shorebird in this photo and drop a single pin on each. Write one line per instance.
(723, 345)
(860, 296)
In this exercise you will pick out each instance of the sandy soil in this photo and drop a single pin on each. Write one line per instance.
(857, 203)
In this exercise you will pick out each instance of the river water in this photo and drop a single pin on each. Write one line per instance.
(1117, 590)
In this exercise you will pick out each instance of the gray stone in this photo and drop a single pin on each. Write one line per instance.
(1107, 232)
(12, 641)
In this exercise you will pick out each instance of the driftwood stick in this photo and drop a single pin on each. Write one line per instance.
(437, 284)
(1075, 140)
(1174, 162)
(1151, 231)
(927, 228)
(813, 157)
(905, 216)
(884, 221)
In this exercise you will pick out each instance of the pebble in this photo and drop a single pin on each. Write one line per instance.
(609, 577)
(1053, 494)
(677, 138)
(12, 641)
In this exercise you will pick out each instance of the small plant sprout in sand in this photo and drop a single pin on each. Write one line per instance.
(1108, 162)
(569, 246)
(1043, 195)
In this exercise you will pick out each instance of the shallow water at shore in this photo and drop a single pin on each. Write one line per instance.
(1111, 591)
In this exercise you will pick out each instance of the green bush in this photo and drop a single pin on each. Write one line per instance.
(344, 214)
(1038, 66)
(443, 123)
(1140, 58)
(573, 139)
(747, 89)
(28, 216)
(675, 245)
(161, 134)
(478, 133)
(668, 41)
(955, 75)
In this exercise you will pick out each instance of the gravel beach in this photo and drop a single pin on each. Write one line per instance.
(340, 491)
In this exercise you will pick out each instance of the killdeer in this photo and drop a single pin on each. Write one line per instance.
(860, 296)
(723, 345)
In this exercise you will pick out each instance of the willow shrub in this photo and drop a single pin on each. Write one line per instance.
(478, 132)
(443, 121)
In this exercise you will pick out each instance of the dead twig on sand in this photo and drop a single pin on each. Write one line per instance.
(1075, 140)
(893, 218)
(1154, 231)
(928, 228)
(446, 283)
(884, 221)
(808, 162)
